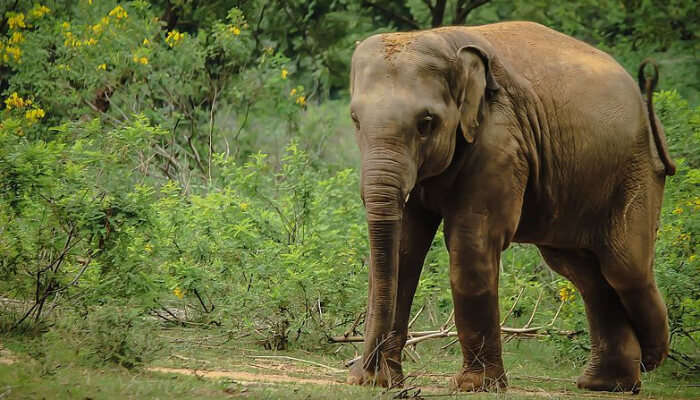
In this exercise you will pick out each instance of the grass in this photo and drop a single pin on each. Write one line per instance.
(51, 369)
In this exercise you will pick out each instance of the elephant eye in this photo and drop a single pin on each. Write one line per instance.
(355, 120)
(425, 125)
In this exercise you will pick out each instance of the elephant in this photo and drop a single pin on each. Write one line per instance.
(509, 132)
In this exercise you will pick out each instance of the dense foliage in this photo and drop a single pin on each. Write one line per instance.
(193, 162)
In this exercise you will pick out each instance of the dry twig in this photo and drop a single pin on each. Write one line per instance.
(334, 370)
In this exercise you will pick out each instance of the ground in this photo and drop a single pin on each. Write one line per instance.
(203, 365)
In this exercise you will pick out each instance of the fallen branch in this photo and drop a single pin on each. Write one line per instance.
(415, 317)
(447, 326)
(438, 333)
(453, 341)
(359, 318)
(334, 370)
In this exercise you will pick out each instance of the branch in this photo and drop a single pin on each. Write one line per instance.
(534, 309)
(463, 9)
(438, 13)
(359, 318)
(207, 311)
(415, 317)
(169, 158)
(211, 131)
(517, 299)
(392, 15)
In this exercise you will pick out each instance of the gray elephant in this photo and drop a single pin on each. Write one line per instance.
(509, 132)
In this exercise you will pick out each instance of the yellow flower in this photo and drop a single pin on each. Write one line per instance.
(14, 101)
(301, 100)
(119, 13)
(90, 2)
(677, 211)
(97, 28)
(90, 42)
(244, 206)
(70, 41)
(235, 30)
(39, 11)
(284, 73)
(34, 115)
(104, 20)
(564, 294)
(65, 25)
(102, 67)
(179, 293)
(292, 92)
(16, 21)
(141, 60)
(16, 37)
(148, 247)
(692, 257)
(173, 38)
(146, 42)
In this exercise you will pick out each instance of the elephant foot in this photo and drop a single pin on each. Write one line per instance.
(612, 375)
(386, 374)
(653, 356)
(488, 380)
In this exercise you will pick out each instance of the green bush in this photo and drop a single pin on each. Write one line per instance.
(677, 248)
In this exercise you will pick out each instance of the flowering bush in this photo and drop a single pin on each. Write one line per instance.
(110, 137)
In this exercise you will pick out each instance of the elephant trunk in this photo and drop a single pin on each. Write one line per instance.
(383, 193)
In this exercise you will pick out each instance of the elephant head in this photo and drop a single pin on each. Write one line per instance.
(412, 96)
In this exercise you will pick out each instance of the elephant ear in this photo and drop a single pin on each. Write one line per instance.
(473, 79)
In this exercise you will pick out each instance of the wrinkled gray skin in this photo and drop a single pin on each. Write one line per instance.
(508, 132)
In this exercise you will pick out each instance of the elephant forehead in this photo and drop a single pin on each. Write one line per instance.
(396, 42)
(410, 70)
(398, 50)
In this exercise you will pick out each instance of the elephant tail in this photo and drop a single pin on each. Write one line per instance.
(647, 86)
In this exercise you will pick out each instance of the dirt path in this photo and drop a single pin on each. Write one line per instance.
(244, 378)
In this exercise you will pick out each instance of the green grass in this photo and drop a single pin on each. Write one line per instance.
(49, 369)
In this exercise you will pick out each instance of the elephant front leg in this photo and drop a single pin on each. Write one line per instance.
(474, 280)
(384, 369)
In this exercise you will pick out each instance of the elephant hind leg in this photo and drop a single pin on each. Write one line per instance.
(626, 261)
(629, 272)
(615, 350)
